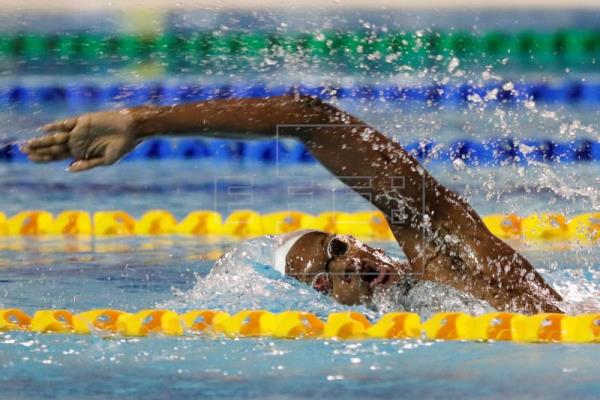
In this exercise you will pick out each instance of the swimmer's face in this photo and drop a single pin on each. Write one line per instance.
(342, 266)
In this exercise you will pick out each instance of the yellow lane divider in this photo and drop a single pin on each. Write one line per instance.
(495, 326)
(582, 228)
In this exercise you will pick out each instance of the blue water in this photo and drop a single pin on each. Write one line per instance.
(174, 272)
(161, 368)
(132, 274)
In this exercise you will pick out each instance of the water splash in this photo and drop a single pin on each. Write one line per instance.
(244, 279)
(580, 292)
(563, 185)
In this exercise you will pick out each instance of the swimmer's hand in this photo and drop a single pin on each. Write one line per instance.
(91, 140)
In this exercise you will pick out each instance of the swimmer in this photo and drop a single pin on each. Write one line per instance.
(443, 238)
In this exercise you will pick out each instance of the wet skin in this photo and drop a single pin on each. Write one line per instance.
(444, 239)
(351, 273)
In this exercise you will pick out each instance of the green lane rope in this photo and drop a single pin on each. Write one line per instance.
(565, 48)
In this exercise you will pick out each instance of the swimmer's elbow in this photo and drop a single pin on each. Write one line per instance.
(313, 109)
(301, 113)
(305, 100)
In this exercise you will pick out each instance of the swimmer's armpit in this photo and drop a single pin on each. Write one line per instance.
(443, 237)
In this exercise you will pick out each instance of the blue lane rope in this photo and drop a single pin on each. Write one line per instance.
(496, 151)
(92, 95)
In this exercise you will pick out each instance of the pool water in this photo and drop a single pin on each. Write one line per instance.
(137, 273)
(175, 272)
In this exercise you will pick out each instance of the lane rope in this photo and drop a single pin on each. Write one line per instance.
(347, 325)
(541, 227)
(574, 48)
(491, 152)
(508, 93)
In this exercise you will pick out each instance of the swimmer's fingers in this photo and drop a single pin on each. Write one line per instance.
(65, 125)
(46, 159)
(55, 139)
(48, 153)
(39, 159)
(84, 165)
(54, 142)
(55, 152)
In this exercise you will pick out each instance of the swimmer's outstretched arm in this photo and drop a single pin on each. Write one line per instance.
(442, 236)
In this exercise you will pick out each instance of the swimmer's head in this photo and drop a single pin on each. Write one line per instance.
(338, 265)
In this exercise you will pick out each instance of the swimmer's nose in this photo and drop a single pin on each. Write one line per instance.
(369, 271)
(349, 272)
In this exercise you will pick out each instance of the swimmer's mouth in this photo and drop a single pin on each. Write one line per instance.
(375, 275)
